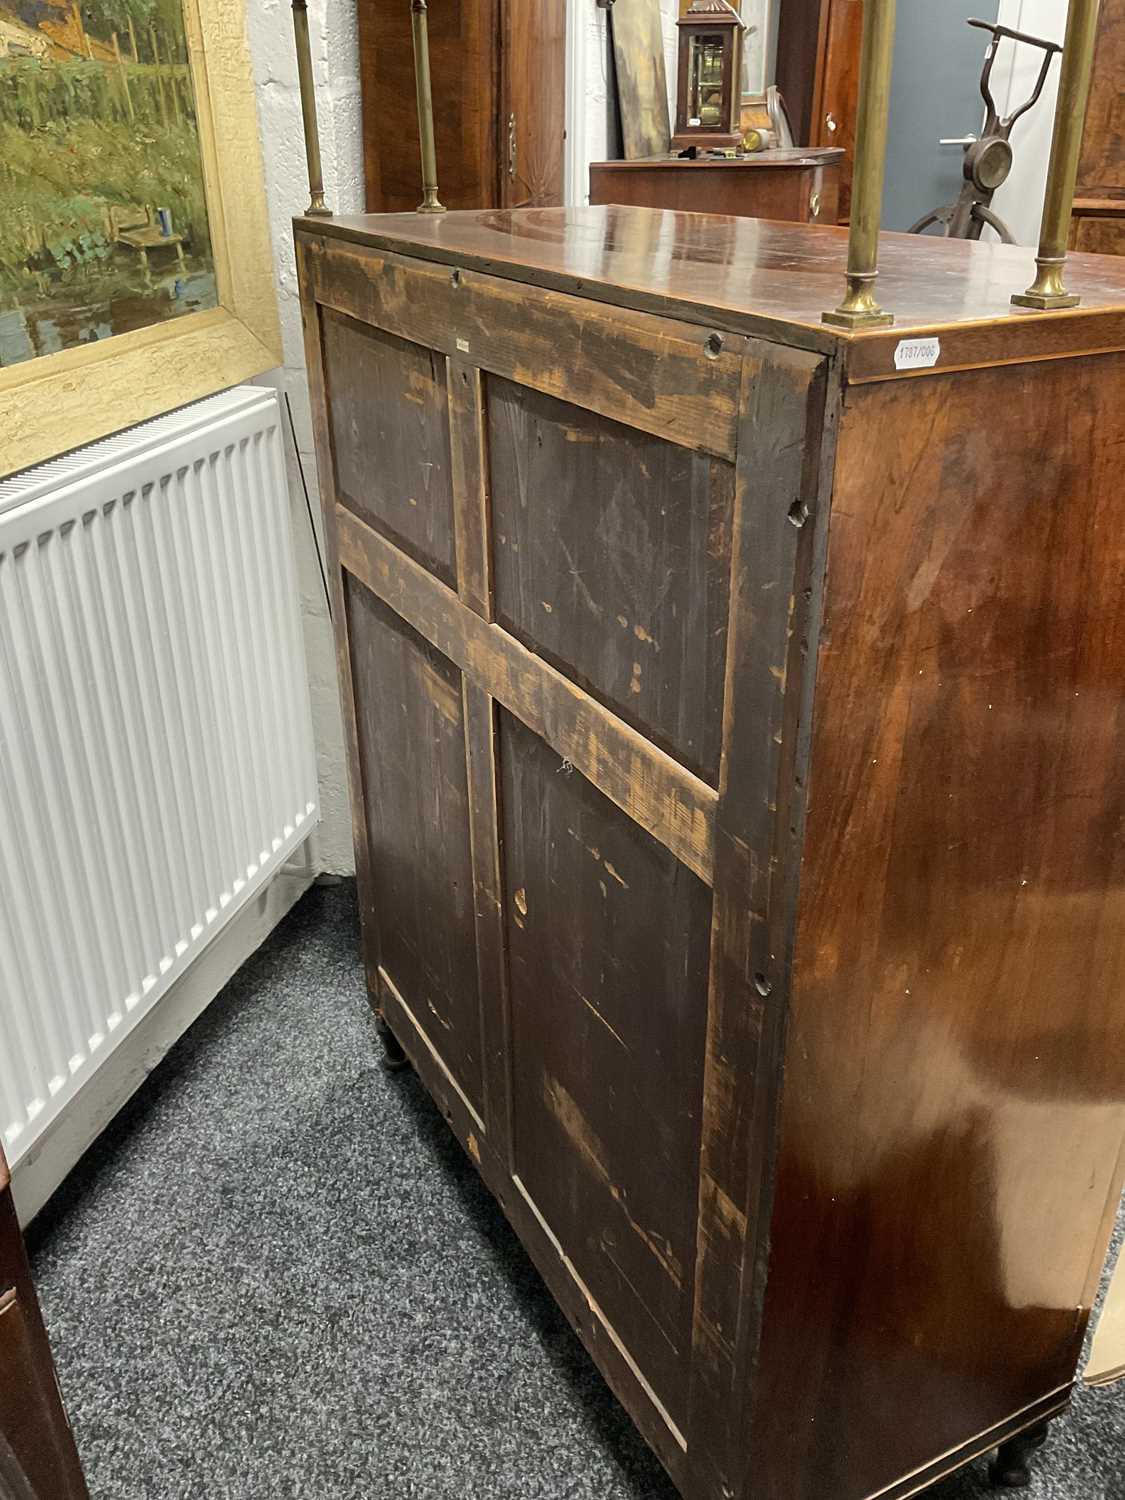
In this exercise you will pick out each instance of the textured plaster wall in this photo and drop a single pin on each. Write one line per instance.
(332, 26)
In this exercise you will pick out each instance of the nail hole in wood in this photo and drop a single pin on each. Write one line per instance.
(714, 345)
(762, 984)
(455, 278)
(798, 512)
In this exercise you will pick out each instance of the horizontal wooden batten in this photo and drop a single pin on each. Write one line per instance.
(658, 793)
(674, 380)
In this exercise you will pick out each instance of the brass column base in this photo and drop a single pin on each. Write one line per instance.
(318, 209)
(1045, 301)
(858, 318)
(1047, 292)
(430, 208)
(859, 308)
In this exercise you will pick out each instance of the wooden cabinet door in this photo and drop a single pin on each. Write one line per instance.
(463, 63)
(837, 99)
(533, 104)
(38, 1459)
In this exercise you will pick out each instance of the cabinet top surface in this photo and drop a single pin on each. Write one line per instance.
(769, 279)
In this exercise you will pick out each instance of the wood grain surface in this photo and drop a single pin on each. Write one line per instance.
(770, 280)
(955, 1036)
(757, 927)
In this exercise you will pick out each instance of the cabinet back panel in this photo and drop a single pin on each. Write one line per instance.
(389, 417)
(411, 732)
(612, 559)
(609, 942)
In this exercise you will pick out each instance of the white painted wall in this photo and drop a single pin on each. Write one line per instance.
(332, 24)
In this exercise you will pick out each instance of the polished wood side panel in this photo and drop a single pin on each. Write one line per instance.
(465, 64)
(628, 598)
(38, 1458)
(411, 731)
(954, 1095)
(389, 420)
(608, 938)
(799, 189)
(741, 276)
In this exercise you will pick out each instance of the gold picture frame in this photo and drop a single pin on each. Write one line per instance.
(61, 401)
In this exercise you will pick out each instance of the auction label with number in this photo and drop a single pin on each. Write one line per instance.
(917, 354)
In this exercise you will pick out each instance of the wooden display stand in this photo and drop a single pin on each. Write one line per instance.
(734, 709)
(802, 186)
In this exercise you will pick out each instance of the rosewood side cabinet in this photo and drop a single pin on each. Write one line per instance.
(737, 718)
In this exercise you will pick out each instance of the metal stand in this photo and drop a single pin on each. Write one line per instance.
(430, 203)
(988, 161)
(317, 208)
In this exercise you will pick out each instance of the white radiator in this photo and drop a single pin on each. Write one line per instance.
(156, 751)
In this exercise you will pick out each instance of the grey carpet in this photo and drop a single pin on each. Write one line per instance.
(277, 1275)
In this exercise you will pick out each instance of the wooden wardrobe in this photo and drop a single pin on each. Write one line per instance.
(38, 1459)
(736, 732)
(1099, 205)
(499, 82)
(818, 47)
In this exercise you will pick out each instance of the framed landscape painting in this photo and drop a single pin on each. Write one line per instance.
(135, 264)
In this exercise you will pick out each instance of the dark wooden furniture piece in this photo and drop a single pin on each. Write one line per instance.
(802, 186)
(38, 1459)
(736, 735)
(499, 81)
(818, 44)
(1099, 207)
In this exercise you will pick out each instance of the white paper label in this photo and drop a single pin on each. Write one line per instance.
(917, 354)
(463, 346)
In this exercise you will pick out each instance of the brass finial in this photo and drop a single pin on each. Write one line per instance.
(317, 208)
(859, 308)
(1048, 291)
(430, 203)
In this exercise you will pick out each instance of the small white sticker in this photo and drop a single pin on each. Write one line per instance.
(463, 346)
(917, 354)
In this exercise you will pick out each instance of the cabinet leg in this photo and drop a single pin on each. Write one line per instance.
(394, 1058)
(1011, 1468)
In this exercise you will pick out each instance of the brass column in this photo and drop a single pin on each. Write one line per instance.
(1048, 291)
(859, 308)
(430, 203)
(317, 207)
